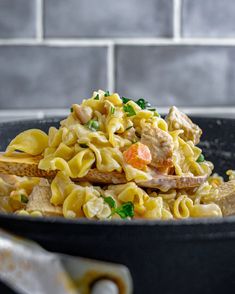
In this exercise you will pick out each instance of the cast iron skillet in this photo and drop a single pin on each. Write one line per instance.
(189, 256)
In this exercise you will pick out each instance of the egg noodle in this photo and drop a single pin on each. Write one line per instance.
(113, 134)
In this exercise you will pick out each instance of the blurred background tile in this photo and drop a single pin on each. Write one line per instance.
(40, 76)
(17, 18)
(41, 73)
(180, 75)
(208, 18)
(108, 18)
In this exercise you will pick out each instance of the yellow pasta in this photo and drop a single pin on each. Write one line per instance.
(185, 156)
(107, 159)
(5, 188)
(76, 167)
(113, 134)
(27, 213)
(32, 142)
(107, 126)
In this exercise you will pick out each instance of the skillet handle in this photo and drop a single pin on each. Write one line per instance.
(28, 268)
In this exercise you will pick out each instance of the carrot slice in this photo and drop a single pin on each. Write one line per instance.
(138, 155)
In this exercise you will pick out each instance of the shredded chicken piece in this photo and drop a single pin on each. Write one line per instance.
(83, 113)
(226, 199)
(9, 179)
(160, 144)
(130, 135)
(177, 120)
(39, 200)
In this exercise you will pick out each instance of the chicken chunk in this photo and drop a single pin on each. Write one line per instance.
(39, 200)
(83, 113)
(160, 144)
(9, 179)
(226, 199)
(177, 120)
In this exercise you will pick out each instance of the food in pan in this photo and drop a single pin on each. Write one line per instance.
(111, 158)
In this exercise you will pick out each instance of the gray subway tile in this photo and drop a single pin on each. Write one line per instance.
(210, 18)
(108, 18)
(17, 18)
(41, 76)
(180, 75)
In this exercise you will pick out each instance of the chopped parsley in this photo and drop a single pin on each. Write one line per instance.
(97, 97)
(155, 112)
(134, 141)
(128, 128)
(110, 201)
(129, 110)
(142, 103)
(201, 158)
(93, 125)
(106, 94)
(83, 145)
(23, 198)
(112, 110)
(71, 109)
(125, 210)
(125, 100)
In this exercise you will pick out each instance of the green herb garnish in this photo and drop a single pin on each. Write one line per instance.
(97, 97)
(20, 151)
(125, 100)
(142, 103)
(83, 145)
(23, 198)
(155, 112)
(71, 109)
(201, 158)
(129, 109)
(125, 210)
(112, 110)
(128, 128)
(110, 201)
(93, 125)
(134, 141)
(106, 94)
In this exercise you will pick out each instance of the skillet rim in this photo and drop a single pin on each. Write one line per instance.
(133, 222)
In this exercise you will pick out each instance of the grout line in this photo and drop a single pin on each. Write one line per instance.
(39, 20)
(78, 42)
(111, 68)
(177, 20)
(119, 41)
(56, 42)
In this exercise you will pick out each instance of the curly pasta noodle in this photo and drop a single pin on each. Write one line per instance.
(108, 133)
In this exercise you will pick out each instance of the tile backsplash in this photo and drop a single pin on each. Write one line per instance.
(48, 76)
(108, 18)
(17, 19)
(208, 18)
(55, 52)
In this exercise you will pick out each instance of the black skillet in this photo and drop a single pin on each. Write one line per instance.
(189, 256)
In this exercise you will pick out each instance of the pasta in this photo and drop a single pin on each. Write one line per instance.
(113, 134)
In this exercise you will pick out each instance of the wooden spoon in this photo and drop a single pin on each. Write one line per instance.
(21, 164)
